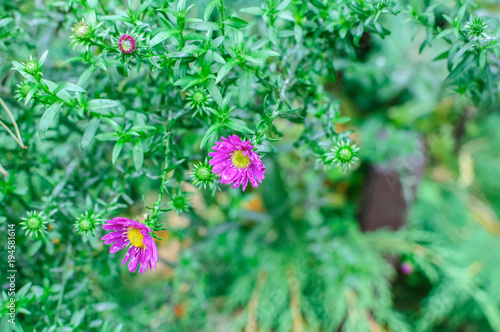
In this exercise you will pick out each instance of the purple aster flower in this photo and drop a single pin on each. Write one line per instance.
(127, 44)
(135, 235)
(234, 161)
(406, 268)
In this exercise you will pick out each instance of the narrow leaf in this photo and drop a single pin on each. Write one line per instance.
(47, 119)
(138, 154)
(225, 69)
(244, 86)
(211, 131)
(116, 150)
(98, 104)
(210, 8)
(90, 131)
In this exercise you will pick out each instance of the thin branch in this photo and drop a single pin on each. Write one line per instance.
(19, 139)
(3, 171)
(294, 286)
(253, 305)
(10, 133)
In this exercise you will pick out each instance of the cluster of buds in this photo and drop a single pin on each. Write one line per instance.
(86, 223)
(342, 155)
(35, 224)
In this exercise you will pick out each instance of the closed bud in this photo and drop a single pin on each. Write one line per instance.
(342, 155)
(35, 224)
(86, 223)
(203, 176)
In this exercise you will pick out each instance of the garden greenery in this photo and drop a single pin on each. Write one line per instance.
(149, 118)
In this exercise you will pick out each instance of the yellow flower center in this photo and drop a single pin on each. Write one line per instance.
(126, 45)
(239, 160)
(135, 237)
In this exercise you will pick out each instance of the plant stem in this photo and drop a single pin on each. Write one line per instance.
(18, 138)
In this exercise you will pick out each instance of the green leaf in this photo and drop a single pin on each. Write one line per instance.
(264, 54)
(215, 93)
(105, 306)
(245, 88)
(107, 137)
(77, 318)
(24, 290)
(84, 77)
(73, 87)
(47, 118)
(225, 69)
(342, 119)
(460, 16)
(138, 154)
(30, 94)
(237, 125)
(116, 127)
(90, 131)
(117, 149)
(161, 36)
(181, 5)
(462, 51)
(236, 22)
(211, 131)
(43, 57)
(441, 56)
(98, 104)
(210, 8)
(253, 10)
(5, 21)
(282, 6)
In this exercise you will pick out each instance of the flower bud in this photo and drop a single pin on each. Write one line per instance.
(81, 30)
(180, 203)
(198, 100)
(22, 90)
(32, 67)
(86, 223)
(203, 176)
(407, 268)
(127, 44)
(35, 224)
(343, 154)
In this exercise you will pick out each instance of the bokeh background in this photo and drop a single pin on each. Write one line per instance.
(408, 240)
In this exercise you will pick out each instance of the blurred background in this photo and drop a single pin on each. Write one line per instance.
(408, 240)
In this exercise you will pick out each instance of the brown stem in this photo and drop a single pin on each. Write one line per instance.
(3, 171)
(17, 137)
(253, 305)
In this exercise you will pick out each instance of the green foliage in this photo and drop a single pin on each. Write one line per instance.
(114, 129)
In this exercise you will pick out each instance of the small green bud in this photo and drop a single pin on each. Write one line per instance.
(343, 154)
(203, 176)
(198, 100)
(81, 30)
(32, 67)
(86, 223)
(476, 27)
(180, 203)
(22, 90)
(35, 224)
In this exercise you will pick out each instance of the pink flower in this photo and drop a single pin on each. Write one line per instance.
(234, 161)
(135, 235)
(407, 268)
(127, 44)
